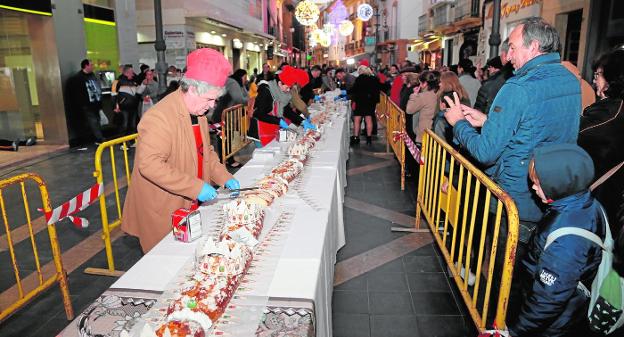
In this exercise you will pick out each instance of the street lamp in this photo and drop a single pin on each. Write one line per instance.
(160, 46)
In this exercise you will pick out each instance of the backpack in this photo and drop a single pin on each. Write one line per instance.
(607, 289)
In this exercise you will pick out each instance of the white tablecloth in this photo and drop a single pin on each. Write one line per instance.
(305, 269)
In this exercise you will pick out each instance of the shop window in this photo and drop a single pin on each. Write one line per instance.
(19, 99)
(101, 41)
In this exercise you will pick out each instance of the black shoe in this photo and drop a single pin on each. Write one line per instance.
(369, 140)
(355, 140)
(15, 145)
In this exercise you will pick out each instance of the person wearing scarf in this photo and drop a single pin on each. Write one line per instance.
(272, 110)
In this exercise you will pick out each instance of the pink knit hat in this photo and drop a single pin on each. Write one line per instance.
(302, 77)
(288, 76)
(208, 65)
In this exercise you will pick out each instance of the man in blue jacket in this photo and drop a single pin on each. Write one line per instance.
(552, 303)
(538, 106)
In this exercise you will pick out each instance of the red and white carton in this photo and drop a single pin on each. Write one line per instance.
(186, 224)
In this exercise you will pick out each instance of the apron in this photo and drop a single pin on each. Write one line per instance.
(268, 131)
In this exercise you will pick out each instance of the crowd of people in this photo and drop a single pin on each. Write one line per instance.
(527, 119)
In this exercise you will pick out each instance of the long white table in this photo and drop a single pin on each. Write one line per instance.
(305, 269)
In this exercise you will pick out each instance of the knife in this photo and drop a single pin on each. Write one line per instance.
(238, 190)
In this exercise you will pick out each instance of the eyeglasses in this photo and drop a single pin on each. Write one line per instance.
(598, 73)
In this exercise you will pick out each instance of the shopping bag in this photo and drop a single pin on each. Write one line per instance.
(147, 104)
(103, 118)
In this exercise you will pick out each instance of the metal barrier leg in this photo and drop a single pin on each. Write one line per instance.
(419, 199)
(61, 273)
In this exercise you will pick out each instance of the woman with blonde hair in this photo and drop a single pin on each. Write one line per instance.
(365, 94)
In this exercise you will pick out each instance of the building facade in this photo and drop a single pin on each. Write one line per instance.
(239, 29)
(41, 46)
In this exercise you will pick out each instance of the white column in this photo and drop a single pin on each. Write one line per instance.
(125, 17)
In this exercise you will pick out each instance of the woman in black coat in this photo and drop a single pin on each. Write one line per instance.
(365, 94)
(602, 132)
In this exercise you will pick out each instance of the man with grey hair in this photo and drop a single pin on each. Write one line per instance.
(175, 166)
(538, 106)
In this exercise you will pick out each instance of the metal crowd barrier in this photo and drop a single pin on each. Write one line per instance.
(381, 111)
(444, 180)
(43, 278)
(234, 131)
(393, 118)
(395, 126)
(118, 182)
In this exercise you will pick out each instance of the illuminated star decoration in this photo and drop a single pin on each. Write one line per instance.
(307, 13)
(365, 12)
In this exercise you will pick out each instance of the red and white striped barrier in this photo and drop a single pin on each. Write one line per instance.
(411, 146)
(75, 205)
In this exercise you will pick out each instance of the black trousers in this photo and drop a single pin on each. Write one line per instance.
(92, 114)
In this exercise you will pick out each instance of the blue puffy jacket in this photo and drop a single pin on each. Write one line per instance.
(538, 106)
(552, 305)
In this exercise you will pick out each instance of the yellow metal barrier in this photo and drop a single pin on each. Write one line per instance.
(233, 131)
(390, 115)
(42, 280)
(444, 178)
(107, 225)
(395, 125)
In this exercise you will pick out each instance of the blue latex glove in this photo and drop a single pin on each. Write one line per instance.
(307, 125)
(343, 93)
(283, 124)
(207, 193)
(233, 184)
(317, 98)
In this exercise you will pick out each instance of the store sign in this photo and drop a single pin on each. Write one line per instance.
(174, 39)
(365, 12)
(508, 9)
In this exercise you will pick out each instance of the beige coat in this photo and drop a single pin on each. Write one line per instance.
(425, 104)
(164, 177)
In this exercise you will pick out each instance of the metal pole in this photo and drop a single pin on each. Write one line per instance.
(160, 46)
(495, 38)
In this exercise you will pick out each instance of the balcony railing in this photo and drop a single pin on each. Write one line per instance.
(423, 24)
(442, 15)
(354, 48)
(466, 8)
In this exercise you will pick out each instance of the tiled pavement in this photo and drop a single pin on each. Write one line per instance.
(387, 284)
(407, 295)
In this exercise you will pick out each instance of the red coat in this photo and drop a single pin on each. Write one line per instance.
(395, 90)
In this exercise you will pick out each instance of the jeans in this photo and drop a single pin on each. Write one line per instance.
(128, 122)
